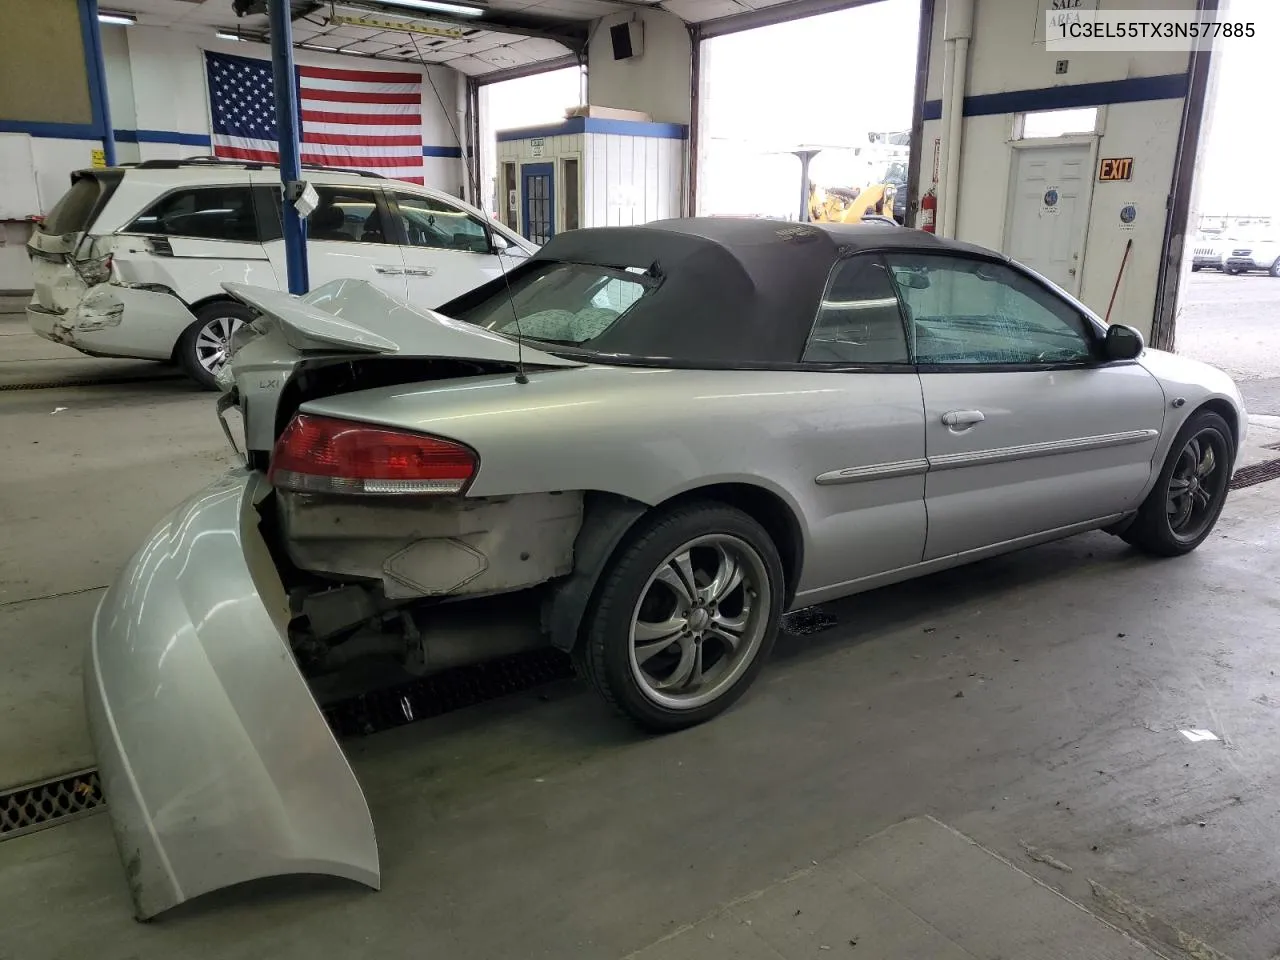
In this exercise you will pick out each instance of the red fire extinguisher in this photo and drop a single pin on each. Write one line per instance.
(929, 211)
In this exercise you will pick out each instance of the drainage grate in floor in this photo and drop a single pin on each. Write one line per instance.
(444, 692)
(1256, 473)
(48, 803)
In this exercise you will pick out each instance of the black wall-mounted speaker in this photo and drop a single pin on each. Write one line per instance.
(627, 39)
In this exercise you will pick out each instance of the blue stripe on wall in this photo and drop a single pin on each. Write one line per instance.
(164, 136)
(1132, 90)
(625, 128)
(86, 131)
(51, 131)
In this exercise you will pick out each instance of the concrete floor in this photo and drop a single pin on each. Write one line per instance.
(1234, 323)
(1032, 703)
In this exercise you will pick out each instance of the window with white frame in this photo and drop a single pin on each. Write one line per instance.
(1043, 124)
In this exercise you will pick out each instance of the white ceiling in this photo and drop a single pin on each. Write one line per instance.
(478, 52)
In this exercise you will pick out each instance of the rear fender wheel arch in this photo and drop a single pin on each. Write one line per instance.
(609, 519)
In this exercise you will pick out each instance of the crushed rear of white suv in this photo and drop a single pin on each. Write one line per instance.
(131, 261)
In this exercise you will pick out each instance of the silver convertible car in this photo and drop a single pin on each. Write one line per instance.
(641, 446)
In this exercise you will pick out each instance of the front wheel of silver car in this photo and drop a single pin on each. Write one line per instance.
(1190, 491)
(684, 616)
(205, 346)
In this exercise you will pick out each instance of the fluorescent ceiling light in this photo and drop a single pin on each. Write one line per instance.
(435, 6)
(228, 35)
(122, 19)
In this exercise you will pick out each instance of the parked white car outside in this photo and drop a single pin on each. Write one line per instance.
(131, 261)
(1252, 251)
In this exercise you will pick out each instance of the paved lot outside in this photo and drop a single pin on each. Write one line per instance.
(1234, 323)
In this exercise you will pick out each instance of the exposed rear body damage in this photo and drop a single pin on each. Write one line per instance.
(435, 548)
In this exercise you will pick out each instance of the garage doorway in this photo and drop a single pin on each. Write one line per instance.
(1228, 301)
(537, 100)
(840, 83)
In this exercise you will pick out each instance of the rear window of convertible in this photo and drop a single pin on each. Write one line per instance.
(564, 303)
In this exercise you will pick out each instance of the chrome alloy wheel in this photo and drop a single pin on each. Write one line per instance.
(699, 622)
(1197, 484)
(213, 342)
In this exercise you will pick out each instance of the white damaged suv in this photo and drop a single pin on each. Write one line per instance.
(131, 261)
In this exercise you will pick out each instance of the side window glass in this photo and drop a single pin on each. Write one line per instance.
(962, 311)
(270, 218)
(433, 223)
(859, 320)
(207, 213)
(348, 215)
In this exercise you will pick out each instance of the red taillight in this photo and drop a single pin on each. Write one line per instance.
(324, 455)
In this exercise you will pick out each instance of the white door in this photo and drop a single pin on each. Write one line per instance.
(348, 238)
(446, 249)
(1048, 211)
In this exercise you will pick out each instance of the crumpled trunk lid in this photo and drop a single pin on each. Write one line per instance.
(292, 352)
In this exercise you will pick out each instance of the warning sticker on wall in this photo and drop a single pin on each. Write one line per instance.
(1128, 214)
(98, 158)
(1049, 205)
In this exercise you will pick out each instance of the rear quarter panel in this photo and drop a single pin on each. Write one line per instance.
(652, 434)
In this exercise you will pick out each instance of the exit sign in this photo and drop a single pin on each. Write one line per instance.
(1116, 168)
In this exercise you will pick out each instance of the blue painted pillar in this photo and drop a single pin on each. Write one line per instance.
(289, 131)
(91, 30)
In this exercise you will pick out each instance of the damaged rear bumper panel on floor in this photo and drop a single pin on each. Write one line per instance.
(216, 762)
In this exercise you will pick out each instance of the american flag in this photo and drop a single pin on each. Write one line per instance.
(359, 119)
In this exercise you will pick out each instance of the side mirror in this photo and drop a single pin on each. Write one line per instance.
(500, 243)
(1122, 343)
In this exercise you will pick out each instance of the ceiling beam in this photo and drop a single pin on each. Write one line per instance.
(571, 34)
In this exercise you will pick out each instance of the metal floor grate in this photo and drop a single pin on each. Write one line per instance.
(1256, 473)
(38, 805)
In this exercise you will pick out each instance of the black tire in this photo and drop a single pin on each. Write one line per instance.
(221, 314)
(1234, 271)
(1275, 268)
(604, 653)
(1153, 531)
(1195, 268)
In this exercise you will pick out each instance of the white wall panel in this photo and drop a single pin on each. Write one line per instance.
(1005, 58)
(657, 81)
(115, 59)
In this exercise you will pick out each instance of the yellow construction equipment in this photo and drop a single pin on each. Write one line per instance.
(850, 204)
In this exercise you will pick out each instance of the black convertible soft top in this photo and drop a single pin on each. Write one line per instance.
(732, 291)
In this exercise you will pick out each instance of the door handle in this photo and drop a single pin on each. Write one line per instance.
(420, 272)
(962, 419)
(388, 271)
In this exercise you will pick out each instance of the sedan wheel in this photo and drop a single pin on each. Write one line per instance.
(1195, 485)
(699, 621)
(685, 615)
(1191, 490)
